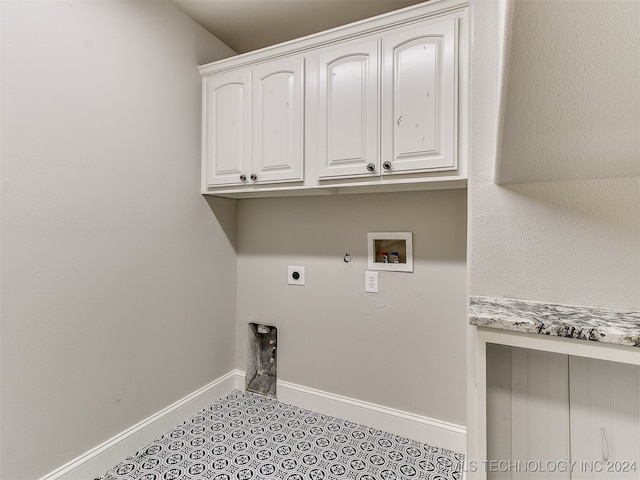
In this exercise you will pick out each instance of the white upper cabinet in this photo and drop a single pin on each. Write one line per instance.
(226, 128)
(419, 111)
(253, 124)
(347, 108)
(278, 121)
(377, 105)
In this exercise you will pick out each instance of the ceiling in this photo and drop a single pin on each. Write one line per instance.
(246, 25)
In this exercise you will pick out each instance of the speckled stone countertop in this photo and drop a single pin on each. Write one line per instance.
(621, 327)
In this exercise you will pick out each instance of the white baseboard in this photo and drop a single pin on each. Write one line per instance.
(417, 427)
(98, 460)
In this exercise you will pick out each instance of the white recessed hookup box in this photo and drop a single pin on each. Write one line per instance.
(391, 251)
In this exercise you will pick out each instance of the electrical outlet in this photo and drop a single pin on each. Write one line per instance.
(296, 275)
(371, 282)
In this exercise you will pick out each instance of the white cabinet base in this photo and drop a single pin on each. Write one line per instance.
(605, 424)
(484, 388)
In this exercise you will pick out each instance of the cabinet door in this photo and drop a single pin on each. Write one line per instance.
(539, 414)
(347, 140)
(227, 127)
(605, 424)
(498, 408)
(278, 121)
(419, 118)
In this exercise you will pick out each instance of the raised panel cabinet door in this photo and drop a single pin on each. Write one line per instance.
(278, 123)
(347, 143)
(419, 116)
(227, 128)
(605, 423)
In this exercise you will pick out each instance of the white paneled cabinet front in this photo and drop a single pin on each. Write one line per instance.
(347, 103)
(278, 121)
(418, 120)
(540, 409)
(419, 110)
(253, 125)
(605, 423)
(227, 128)
(533, 424)
(545, 409)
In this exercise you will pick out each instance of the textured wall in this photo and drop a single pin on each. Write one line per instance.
(118, 278)
(572, 96)
(402, 348)
(568, 242)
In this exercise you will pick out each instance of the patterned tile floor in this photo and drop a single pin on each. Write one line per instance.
(248, 437)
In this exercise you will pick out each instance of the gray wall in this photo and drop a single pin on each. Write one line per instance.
(118, 278)
(403, 348)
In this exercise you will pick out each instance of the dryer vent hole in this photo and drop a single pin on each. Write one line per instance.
(262, 361)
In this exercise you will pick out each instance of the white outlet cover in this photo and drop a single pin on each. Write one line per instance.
(301, 277)
(371, 282)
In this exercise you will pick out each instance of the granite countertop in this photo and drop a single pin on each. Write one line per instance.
(621, 327)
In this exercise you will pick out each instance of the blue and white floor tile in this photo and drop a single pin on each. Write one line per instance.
(250, 437)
